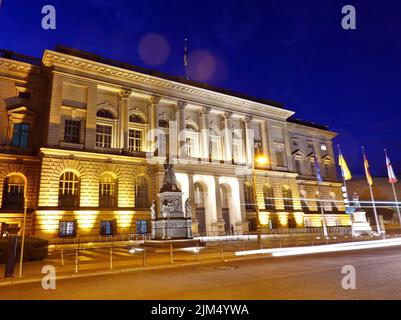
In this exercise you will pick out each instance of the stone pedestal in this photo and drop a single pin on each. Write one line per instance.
(170, 229)
(241, 227)
(218, 228)
(360, 225)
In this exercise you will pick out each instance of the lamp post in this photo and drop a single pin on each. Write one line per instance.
(21, 259)
(261, 159)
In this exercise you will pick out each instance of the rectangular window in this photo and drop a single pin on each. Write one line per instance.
(103, 136)
(141, 227)
(72, 130)
(236, 153)
(135, 140)
(280, 161)
(20, 135)
(108, 228)
(188, 147)
(298, 165)
(67, 228)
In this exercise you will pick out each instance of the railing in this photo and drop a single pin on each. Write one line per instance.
(332, 231)
(7, 54)
(97, 241)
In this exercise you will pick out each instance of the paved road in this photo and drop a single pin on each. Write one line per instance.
(378, 274)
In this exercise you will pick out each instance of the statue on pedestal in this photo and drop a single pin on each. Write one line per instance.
(172, 222)
(153, 214)
(188, 209)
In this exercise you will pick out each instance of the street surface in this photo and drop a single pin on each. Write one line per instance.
(378, 276)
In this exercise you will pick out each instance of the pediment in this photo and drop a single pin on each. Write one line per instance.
(298, 153)
(21, 112)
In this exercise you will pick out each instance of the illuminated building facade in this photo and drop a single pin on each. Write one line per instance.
(84, 140)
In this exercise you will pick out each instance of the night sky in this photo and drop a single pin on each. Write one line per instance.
(291, 51)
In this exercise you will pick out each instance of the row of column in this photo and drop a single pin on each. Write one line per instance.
(178, 149)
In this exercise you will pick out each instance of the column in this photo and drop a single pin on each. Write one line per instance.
(287, 149)
(153, 125)
(181, 129)
(242, 226)
(90, 125)
(218, 226)
(205, 132)
(249, 139)
(124, 117)
(265, 144)
(191, 191)
(228, 137)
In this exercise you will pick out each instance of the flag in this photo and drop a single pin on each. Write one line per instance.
(344, 168)
(317, 168)
(391, 176)
(367, 171)
(186, 53)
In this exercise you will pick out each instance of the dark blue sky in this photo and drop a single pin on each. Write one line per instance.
(291, 51)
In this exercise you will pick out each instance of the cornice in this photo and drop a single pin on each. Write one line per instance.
(16, 65)
(309, 131)
(52, 58)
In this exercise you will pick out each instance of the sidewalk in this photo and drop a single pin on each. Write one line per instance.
(100, 261)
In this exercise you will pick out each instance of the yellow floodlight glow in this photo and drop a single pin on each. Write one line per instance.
(261, 160)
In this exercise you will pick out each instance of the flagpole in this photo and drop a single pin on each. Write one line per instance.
(371, 195)
(396, 201)
(322, 211)
(344, 181)
(318, 179)
(395, 194)
(186, 58)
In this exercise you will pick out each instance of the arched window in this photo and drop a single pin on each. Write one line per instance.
(287, 198)
(136, 118)
(141, 192)
(107, 191)
(68, 194)
(191, 141)
(105, 128)
(268, 196)
(215, 151)
(13, 193)
(104, 114)
(137, 132)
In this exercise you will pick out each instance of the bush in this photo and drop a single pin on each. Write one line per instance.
(34, 249)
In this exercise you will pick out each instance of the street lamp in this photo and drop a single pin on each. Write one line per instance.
(260, 160)
(23, 238)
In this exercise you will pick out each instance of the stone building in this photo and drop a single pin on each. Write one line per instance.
(83, 139)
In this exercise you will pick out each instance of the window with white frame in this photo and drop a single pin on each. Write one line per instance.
(106, 124)
(135, 140)
(68, 195)
(191, 141)
(107, 191)
(137, 131)
(103, 136)
(72, 130)
(189, 147)
(215, 145)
